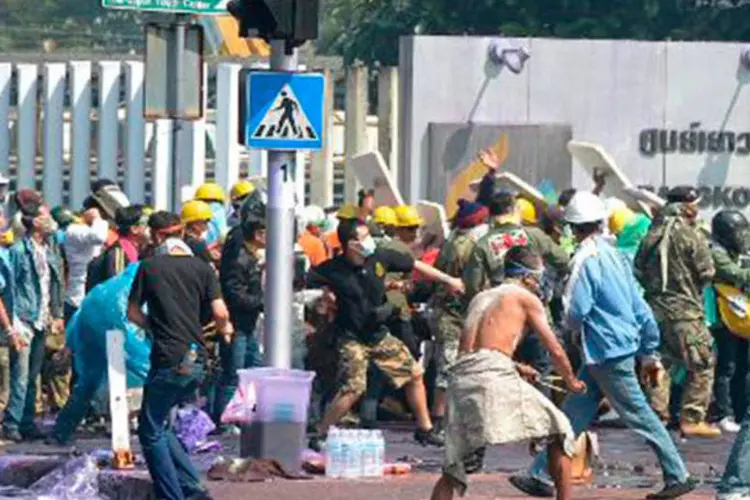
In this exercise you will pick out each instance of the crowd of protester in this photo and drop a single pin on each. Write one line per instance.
(386, 330)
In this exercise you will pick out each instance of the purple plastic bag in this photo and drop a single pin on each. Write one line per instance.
(192, 427)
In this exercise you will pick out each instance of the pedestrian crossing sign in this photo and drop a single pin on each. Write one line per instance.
(285, 110)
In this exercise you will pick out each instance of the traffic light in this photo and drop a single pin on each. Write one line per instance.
(294, 20)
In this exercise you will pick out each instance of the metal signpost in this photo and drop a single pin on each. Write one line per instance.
(174, 71)
(285, 114)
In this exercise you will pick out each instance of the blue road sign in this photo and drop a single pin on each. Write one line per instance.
(285, 110)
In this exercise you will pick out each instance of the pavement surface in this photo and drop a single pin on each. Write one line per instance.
(626, 469)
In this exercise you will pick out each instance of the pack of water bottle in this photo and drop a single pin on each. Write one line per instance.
(355, 453)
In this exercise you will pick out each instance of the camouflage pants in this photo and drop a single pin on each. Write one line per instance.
(390, 355)
(688, 344)
(447, 336)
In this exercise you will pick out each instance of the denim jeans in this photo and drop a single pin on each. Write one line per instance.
(168, 462)
(729, 348)
(25, 367)
(76, 408)
(616, 380)
(243, 352)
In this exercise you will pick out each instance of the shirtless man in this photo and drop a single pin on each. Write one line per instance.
(488, 400)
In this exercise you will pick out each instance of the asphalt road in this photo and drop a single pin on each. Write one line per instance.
(626, 469)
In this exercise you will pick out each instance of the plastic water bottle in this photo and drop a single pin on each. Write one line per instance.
(348, 455)
(357, 455)
(379, 453)
(369, 455)
(333, 453)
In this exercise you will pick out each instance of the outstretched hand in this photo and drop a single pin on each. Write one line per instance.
(489, 158)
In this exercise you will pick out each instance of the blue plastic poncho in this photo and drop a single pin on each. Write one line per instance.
(105, 308)
(218, 227)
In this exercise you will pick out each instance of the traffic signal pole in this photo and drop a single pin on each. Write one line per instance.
(279, 293)
(179, 130)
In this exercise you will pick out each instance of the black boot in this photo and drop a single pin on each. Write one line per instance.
(532, 486)
(675, 490)
(428, 438)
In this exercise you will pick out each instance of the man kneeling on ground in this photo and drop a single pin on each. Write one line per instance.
(489, 402)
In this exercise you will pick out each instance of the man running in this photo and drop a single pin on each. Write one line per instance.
(613, 325)
(488, 401)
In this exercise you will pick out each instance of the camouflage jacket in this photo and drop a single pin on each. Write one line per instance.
(397, 297)
(484, 268)
(729, 268)
(452, 260)
(674, 264)
(554, 255)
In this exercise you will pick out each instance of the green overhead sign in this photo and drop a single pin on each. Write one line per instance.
(206, 7)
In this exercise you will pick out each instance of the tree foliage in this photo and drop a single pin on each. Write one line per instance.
(368, 30)
(71, 23)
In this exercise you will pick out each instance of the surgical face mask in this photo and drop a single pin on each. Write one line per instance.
(367, 247)
(173, 246)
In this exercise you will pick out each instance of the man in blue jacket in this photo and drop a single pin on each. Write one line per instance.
(614, 325)
(38, 300)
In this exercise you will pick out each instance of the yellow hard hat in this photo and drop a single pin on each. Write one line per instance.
(407, 216)
(385, 216)
(209, 191)
(241, 189)
(527, 211)
(7, 238)
(732, 304)
(348, 212)
(195, 211)
(619, 218)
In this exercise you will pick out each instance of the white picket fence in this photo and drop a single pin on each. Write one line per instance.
(64, 124)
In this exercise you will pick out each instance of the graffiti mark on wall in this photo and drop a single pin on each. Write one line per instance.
(459, 186)
(694, 140)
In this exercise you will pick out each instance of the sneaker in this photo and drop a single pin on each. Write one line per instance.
(702, 430)
(12, 435)
(33, 434)
(53, 440)
(728, 424)
(532, 486)
(675, 490)
(429, 438)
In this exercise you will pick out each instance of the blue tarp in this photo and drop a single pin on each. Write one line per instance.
(105, 308)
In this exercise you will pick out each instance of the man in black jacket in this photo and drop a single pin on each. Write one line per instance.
(241, 277)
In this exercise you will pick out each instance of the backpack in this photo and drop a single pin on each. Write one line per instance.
(98, 270)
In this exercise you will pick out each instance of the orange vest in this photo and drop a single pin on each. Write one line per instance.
(314, 248)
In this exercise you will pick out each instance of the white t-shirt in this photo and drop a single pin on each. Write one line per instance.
(82, 244)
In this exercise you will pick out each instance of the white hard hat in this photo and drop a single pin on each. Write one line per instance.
(313, 214)
(613, 204)
(585, 207)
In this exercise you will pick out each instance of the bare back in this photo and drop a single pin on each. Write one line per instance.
(498, 318)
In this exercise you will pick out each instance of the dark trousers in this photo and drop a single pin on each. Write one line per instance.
(168, 462)
(731, 351)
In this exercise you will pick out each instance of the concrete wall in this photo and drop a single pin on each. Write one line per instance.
(622, 94)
